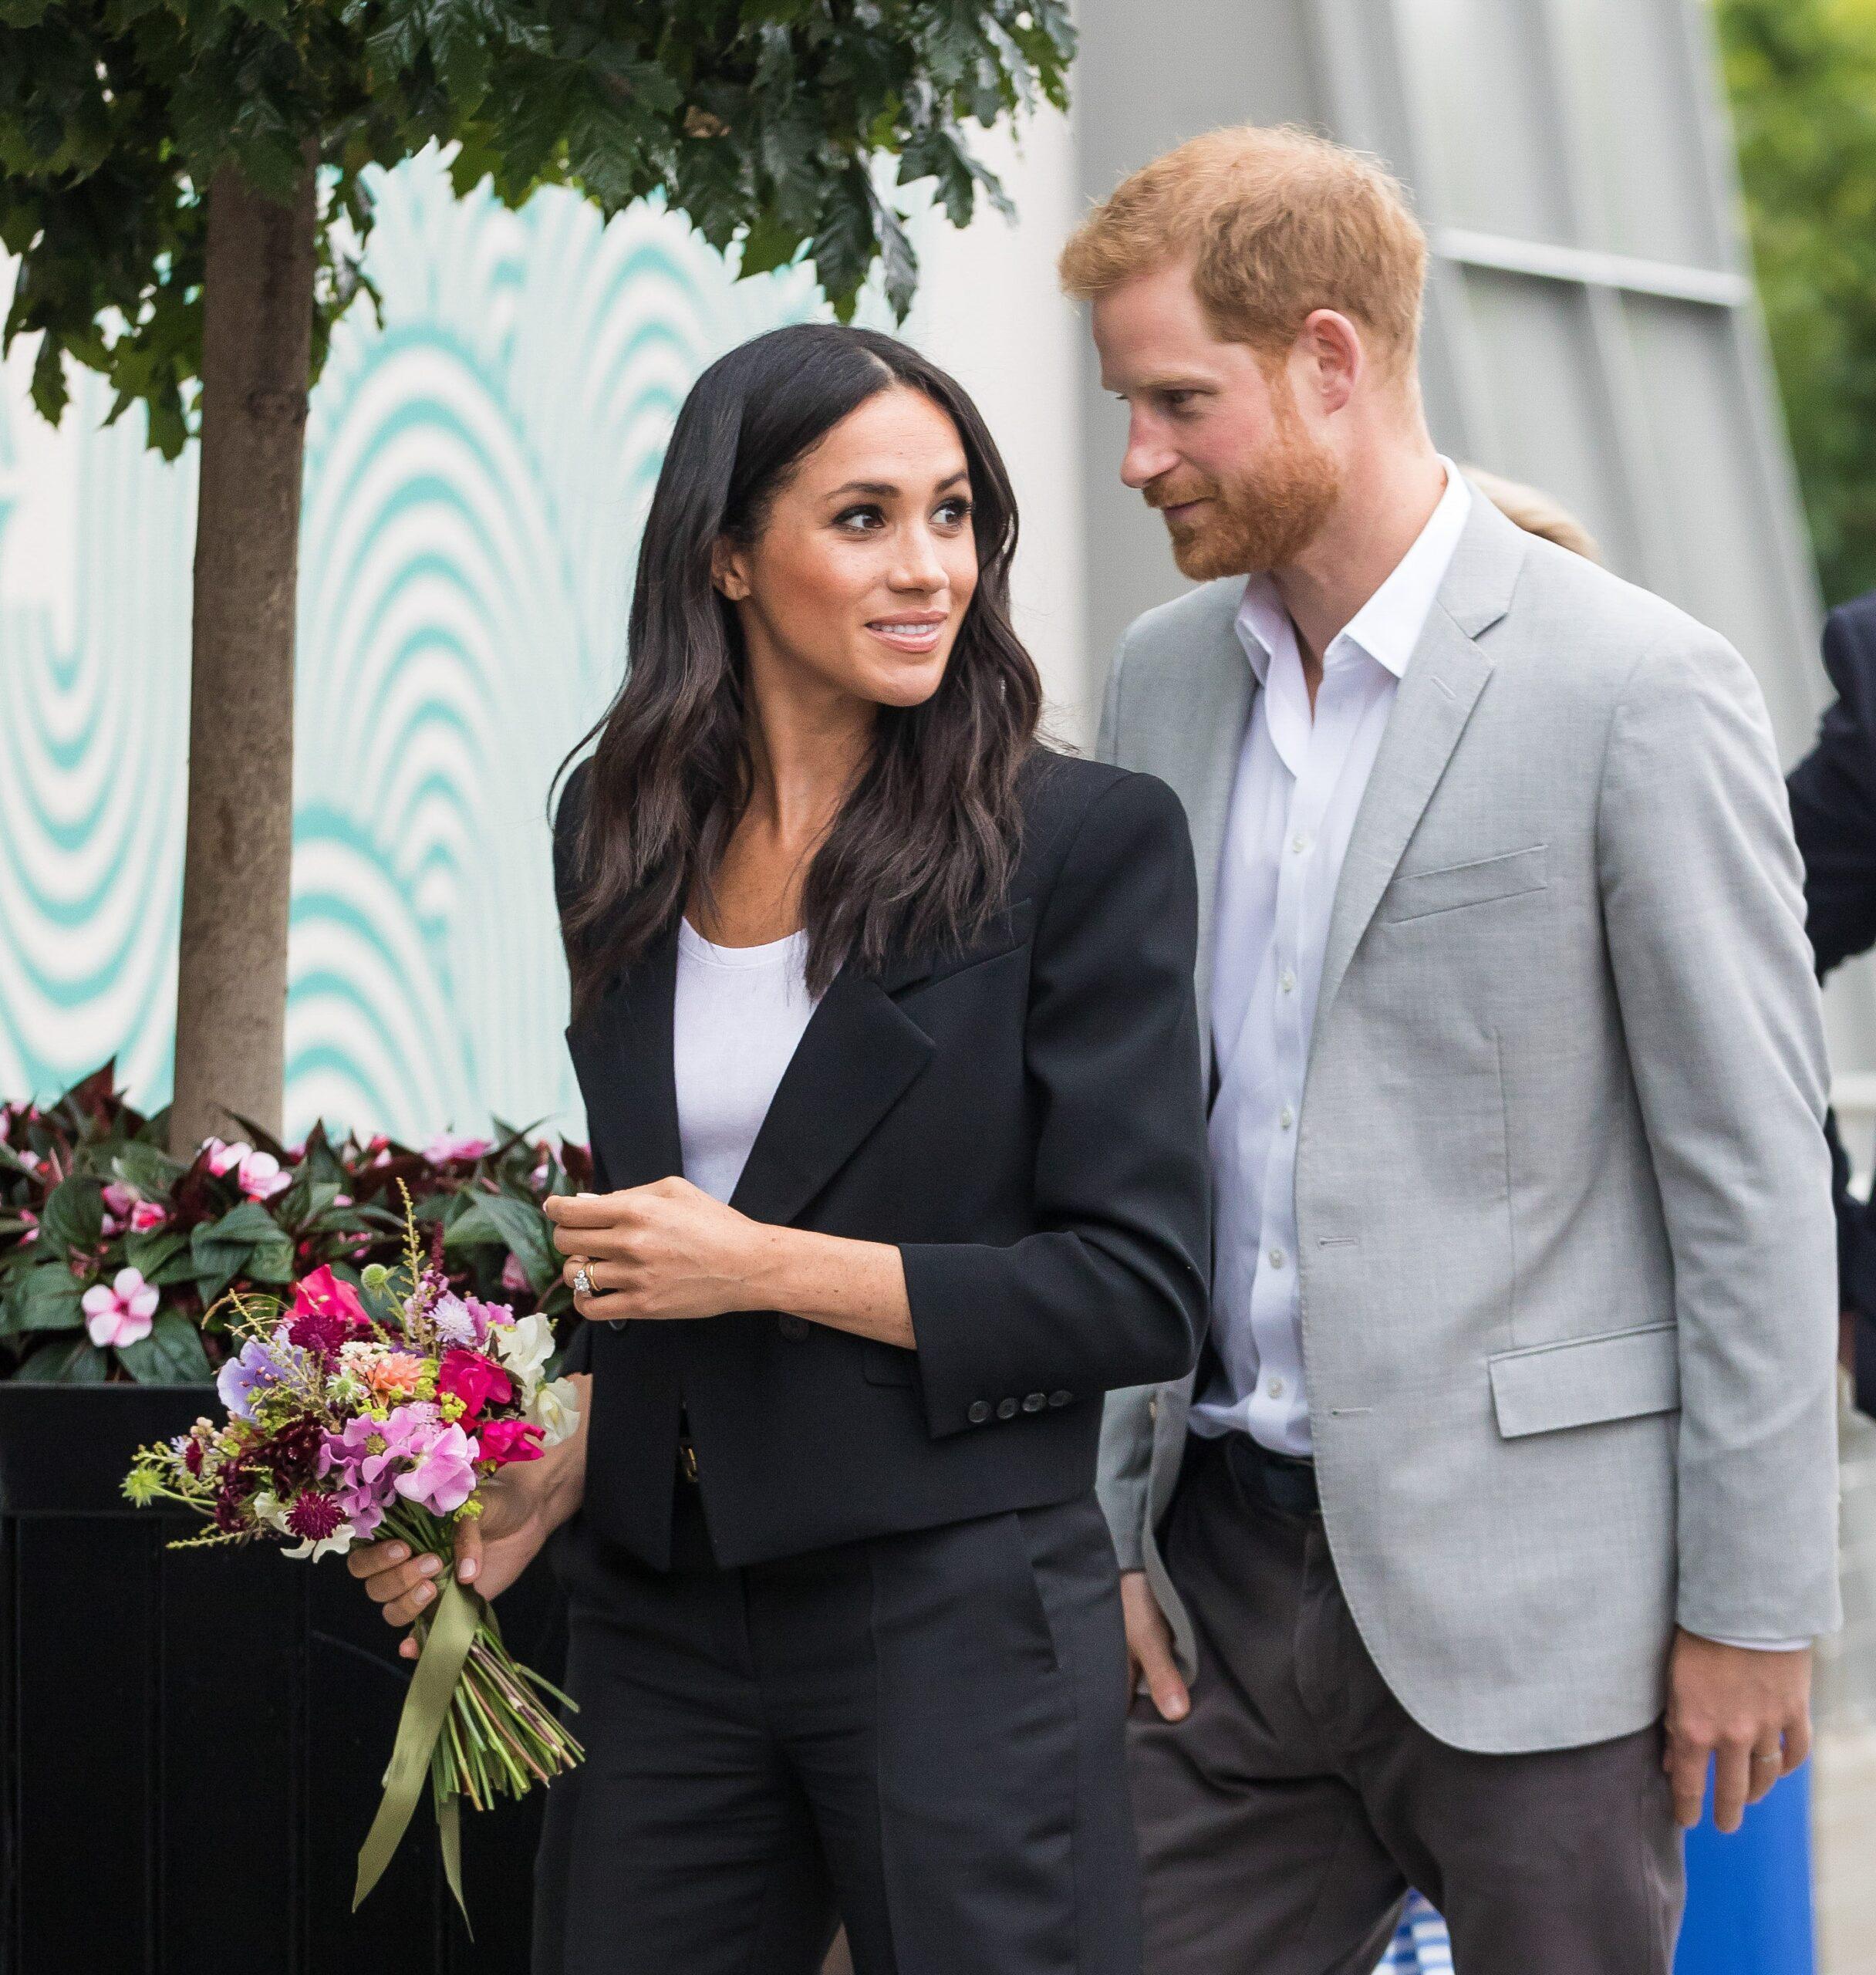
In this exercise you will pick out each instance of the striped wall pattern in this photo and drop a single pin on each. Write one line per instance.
(477, 473)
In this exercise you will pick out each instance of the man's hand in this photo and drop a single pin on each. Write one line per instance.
(1149, 1648)
(1750, 1711)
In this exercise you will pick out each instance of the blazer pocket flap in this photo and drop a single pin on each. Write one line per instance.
(1416, 894)
(1620, 1375)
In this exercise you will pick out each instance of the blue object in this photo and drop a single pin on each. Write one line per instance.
(1748, 1896)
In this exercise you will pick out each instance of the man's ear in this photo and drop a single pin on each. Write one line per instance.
(1331, 347)
(729, 570)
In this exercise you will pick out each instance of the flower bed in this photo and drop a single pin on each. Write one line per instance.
(113, 1255)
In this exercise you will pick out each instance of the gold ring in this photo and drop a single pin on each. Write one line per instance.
(582, 1282)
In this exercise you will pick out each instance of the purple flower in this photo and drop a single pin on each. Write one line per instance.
(444, 1476)
(260, 1364)
(453, 1318)
(403, 1437)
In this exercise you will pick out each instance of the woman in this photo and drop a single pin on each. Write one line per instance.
(883, 1016)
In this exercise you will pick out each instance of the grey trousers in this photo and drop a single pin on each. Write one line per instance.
(1283, 1821)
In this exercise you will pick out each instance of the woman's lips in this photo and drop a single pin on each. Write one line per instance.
(908, 634)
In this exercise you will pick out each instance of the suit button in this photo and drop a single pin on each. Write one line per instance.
(1034, 1403)
(979, 1411)
(1006, 1409)
(793, 1328)
(1060, 1398)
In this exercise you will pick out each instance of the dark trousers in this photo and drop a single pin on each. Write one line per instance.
(1283, 1821)
(921, 1734)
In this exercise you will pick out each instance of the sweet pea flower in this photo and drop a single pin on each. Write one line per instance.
(474, 1379)
(505, 1440)
(122, 1311)
(525, 1346)
(260, 1177)
(447, 1146)
(556, 1410)
(444, 1477)
(403, 1437)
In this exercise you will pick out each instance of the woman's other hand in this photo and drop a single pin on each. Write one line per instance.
(665, 1250)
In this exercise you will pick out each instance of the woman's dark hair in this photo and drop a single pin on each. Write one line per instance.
(924, 846)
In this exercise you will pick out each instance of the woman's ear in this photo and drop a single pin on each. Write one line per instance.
(728, 571)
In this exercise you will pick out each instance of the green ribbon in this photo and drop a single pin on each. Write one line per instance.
(426, 1707)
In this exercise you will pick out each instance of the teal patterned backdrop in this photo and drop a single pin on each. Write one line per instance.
(477, 472)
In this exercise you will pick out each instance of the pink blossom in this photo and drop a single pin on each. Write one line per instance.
(120, 1199)
(402, 1437)
(474, 1380)
(222, 1156)
(505, 1440)
(121, 1311)
(444, 1477)
(514, 1277)
(146, 1215)
(448, 1146)
(32, 1226)
(260, 1177)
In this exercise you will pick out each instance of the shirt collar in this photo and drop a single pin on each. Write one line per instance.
(1388, 625)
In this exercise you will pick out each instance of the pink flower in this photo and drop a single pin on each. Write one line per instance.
(444, 1477)
(32, 1226)
(387, 1443)
(122, 1311)
(260, 1177)
(474, 1380)
(119, 1199)
(328, 1309)
(505, 1440)
(448, 1146)
(222, 1156)
(146, 1215)
(514, 1277)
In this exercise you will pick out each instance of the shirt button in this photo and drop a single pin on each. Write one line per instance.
(979, 1411)
(1277, 1259)
(1034, 1402)
(1288, 982)
(793, 1328)
(1299, 843)
(1275, 1388)
(1006, 1409)
(1063, 1398)
(1286, 1117)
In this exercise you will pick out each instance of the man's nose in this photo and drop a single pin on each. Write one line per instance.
(1147, 456)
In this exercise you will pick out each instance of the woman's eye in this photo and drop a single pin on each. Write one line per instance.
(955, 512)
(857, 520)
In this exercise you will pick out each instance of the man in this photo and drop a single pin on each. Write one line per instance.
(1516, 1434)
(1833, 812)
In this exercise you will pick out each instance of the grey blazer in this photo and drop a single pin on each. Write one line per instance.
(1566, 1257)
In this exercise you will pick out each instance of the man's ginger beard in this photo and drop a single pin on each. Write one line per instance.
(1264, 518)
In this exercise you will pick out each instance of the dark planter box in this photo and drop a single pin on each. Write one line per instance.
(191, 1741)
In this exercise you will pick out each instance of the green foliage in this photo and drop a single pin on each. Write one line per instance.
(1802, 77)
(756, 119)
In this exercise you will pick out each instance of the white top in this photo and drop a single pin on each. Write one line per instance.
(1299, 782)
(738, 1015)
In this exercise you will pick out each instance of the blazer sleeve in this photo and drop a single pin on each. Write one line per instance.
(1112, 1292)
(567, 818)
(1703, 908)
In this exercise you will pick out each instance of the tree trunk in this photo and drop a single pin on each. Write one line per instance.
(231, 973)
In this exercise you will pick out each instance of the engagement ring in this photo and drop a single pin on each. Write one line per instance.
(582, 1282)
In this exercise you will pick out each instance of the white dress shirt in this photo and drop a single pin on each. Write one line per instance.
(1299, 782)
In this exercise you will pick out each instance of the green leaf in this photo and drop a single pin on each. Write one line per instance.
(146, 1167)
(519, 1226)
(74, 1216)
(74, 1361)
(245, 1241)
(48, 1297)
(161, 1255)
(171, 1355)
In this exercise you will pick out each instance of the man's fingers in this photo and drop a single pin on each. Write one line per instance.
(386, 1586)
(1164, 1684)
(1686, 1765)
(412, 1605)
(1764, 1768)
(367, 1559)
(408, 1649)
(1732, 1785)
(1797, 1742)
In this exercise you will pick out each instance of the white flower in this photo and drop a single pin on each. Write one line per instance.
(450, 1316)
(525, 1346)
(340, 1541)
(555, 1410)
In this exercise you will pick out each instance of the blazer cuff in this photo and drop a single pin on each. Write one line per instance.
(1124, 1502)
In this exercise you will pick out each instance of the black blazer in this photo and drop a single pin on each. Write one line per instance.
(1833, 812)
(1023, 1118)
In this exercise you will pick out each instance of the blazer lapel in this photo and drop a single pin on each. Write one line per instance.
(857, 1057)
(1438, 691)
(622, 1052)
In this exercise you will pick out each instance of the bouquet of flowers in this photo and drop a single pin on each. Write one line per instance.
(361, 1416)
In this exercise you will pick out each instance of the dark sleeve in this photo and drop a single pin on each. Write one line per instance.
(1113, 1292)
(1833, 792)
(578, 1355)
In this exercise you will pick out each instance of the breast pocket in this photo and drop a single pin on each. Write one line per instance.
(1453, 887)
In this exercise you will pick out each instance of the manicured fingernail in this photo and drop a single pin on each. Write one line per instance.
(465, 1570)
(397, 1553)
(423, 1593)
(429, 1565)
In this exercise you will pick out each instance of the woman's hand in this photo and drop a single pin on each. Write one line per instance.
(668, 1250)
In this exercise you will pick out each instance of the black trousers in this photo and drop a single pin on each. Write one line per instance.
(921, 1735)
